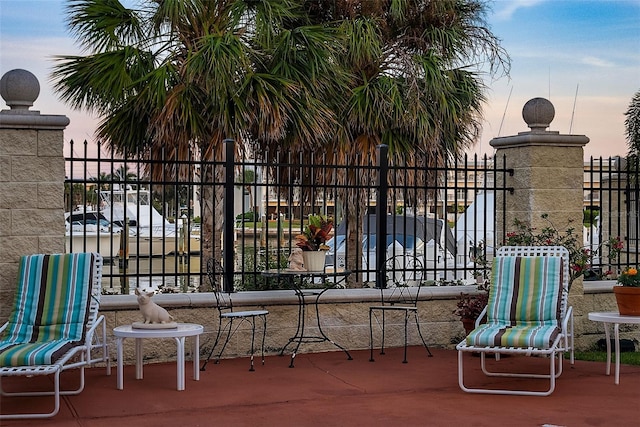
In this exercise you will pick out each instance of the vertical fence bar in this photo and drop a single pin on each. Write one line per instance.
(381, 216)
(228, 251)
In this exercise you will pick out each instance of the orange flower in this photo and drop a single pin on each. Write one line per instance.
(630, 277)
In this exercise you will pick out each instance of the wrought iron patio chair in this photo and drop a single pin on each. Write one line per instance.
(401, 296)
(527, 314)
(227, 316)
(54, 325)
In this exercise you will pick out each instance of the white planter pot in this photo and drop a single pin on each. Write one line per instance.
(313, 260)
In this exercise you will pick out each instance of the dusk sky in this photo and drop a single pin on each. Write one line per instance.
(558, 48)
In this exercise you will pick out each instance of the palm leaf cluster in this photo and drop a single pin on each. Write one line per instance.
(305, 73)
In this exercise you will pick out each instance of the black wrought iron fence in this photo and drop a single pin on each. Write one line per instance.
(396, 220)
(611, 194)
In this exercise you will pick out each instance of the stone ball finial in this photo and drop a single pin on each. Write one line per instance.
(538, 113)
(19, 88)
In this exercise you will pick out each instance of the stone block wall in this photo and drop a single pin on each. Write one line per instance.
(344, 317)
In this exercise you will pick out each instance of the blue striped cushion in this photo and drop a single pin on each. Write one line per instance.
(524, 303)
(51, 309)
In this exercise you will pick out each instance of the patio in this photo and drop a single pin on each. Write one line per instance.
(326, 389)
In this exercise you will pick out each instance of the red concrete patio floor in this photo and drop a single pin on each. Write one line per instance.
(326, 389)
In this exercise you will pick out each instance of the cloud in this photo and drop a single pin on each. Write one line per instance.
(506, 9)
(597, 62)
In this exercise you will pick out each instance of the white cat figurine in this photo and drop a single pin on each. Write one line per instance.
(152, 312)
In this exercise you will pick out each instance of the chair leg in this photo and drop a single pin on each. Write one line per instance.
(406, 320)
(383, 329)
(56, 400)
(226, 341)
(371, 335)
(371, 314)
(215, 344)
(264, 334)
(253, 335)
(422, 337)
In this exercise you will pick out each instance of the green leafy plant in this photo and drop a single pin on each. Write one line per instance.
(470, 306)
(478, 256)
(629, 277)
(580, 257)
(315, 234)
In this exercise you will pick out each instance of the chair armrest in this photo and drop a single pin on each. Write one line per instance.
(567, 317)
(92, 329)
(481, 316)
(90, 333)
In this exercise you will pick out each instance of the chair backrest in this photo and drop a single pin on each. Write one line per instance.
(529, 284)
(403, 284)
(57, 297)
(404, 270)
(215, 272)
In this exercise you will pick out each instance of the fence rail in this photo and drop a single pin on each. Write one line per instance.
(247, 210)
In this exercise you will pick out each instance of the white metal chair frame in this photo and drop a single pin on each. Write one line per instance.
(79, 356)
(564, 341)
(224, 306)
(402, 296)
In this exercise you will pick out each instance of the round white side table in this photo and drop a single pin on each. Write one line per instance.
(180, 332)
(616, 318)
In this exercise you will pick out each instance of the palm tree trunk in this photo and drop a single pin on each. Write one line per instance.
(212, 207)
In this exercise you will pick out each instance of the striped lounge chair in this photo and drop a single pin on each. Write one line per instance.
(54, 323)
(527, 314)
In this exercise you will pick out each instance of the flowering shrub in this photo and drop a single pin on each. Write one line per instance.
(630, 277)
(579, 257)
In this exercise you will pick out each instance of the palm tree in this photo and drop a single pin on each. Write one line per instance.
(175, 77)
(632, 130)
(103, 180)
(632, 125)
(124, 174)
(412, 84)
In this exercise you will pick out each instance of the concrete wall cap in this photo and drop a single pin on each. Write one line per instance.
(549, 139)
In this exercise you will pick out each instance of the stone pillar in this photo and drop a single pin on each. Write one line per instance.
(31, 180)
(548, 178)
(548, 171)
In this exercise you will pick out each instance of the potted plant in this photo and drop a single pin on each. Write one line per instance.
(470, 306)
(628, 292)
(313, 241)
